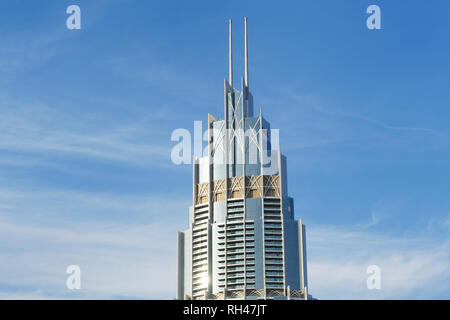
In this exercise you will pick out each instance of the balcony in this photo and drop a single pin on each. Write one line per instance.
(235, 226)
(235, 238)
(235, 219)
(272, 249)
(233, 215)
(233, 203)
(274, 273)
(235, 275)
(250, 279)
(275, 285)
(274, 279)
(201, 244)
(241, 250)
(203, 257)
(235, 269)
(198, 276)
(200, 269)
(239, 244)
(274, 255)
(201, 215)
(235, 287)
(234, 281)
(200, 263)
(276, 225)
(234, 256)
(273, 236)
(199, 230)
(201, 208)
(274, 261)
(200, 238)
(235, 232)
(274, 267)
(272, 218)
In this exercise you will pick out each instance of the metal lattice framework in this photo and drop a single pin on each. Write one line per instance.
(298, 293)
(220, 135)
(259, 293)
(236, 187)
(255, 187)
(275, 292)
(202, 193)
(255, 293)
(272, 186)
(219, 189)
(253, 135)
(237, 132)
(254, 183)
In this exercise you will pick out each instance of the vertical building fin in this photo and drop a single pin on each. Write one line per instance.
(230, 55)
(180, 261)
(246, 54)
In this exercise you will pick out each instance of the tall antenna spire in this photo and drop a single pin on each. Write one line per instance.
(230, 62)
(246, 54)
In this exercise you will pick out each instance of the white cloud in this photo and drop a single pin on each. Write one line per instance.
(132, 252)
(322, 124)
(119, 256)
(133, 261)
(55, 134)
(82, 208)
(29, 132)
(411, 267)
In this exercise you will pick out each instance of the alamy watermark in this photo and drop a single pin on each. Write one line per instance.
(73, 282)
(226, 146)
(374, 280)
(73, 22)
(373, 22)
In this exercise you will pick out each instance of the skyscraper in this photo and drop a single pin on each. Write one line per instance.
(243, 241)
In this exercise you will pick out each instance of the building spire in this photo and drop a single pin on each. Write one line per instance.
(230, 62)
(246, 54)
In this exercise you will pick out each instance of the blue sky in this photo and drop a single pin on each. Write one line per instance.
(86, 119)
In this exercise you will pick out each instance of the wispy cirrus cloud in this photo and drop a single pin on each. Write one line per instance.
(40, 131)
(124, 244)
(50, 206)
(322, 124)
(133, 261)
(411, 267)
(139, 261)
